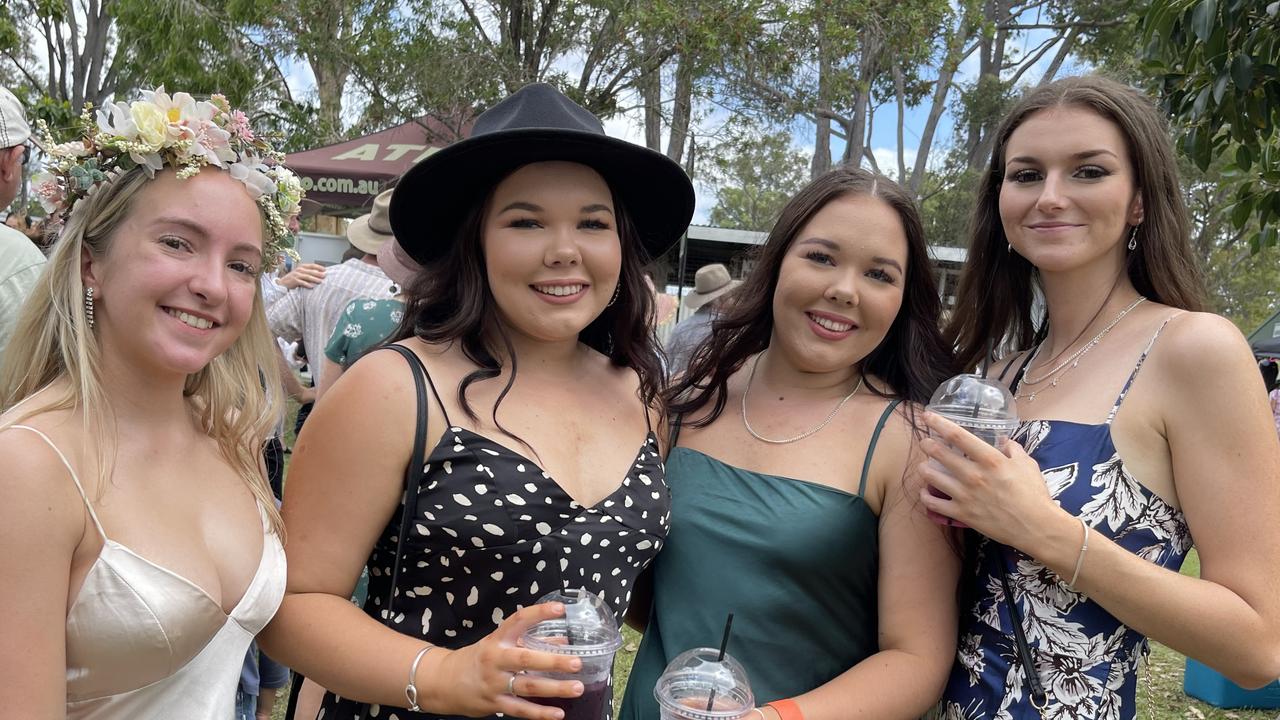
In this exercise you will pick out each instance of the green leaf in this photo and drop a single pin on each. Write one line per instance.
(1268, 237)
(1244, 160)
(1202, 19)
(1242, 71)
(1201, 103)
(1220, 87)
(1204, 150)
(1241, 212)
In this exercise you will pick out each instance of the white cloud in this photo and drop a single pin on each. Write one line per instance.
(887, 159)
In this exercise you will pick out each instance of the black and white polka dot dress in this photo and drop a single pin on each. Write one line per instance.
(492, 533)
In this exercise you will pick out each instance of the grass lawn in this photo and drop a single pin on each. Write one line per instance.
(1167, 666)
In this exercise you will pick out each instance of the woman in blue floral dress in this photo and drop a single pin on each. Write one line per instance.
(1144, 425)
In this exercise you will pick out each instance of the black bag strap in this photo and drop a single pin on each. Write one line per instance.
(1035, 687)
(412, 483)
(413, 472)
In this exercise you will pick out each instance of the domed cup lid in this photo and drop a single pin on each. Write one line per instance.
(587, 628)
(975, 401)
(687, 684)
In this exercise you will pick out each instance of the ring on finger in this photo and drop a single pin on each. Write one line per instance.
(511, 684)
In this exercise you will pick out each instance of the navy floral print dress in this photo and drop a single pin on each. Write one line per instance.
(1086, 658)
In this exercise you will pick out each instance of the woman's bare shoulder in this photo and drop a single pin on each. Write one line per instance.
(1194, 346)
(38, 477)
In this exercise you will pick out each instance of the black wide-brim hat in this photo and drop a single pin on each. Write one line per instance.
(537, 123)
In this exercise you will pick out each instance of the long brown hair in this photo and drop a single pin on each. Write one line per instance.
(993, 303)
(450, 300)
(912, 359)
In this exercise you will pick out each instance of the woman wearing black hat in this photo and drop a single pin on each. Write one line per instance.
(535, 466)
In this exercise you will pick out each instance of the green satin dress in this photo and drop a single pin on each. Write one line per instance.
(794, 561)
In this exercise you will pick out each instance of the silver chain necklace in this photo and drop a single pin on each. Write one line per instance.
(1070, 363)
(751, 378)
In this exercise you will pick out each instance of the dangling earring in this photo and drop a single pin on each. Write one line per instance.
(1133, 238)
(617, 290)
(1010, 248)
(88, 306)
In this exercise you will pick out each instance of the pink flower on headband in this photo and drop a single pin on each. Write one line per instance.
(238, 126)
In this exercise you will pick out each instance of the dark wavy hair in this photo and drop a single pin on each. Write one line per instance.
(450, 300)
(912, 359)
(994, 299)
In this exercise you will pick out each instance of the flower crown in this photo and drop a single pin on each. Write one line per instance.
(177, 131)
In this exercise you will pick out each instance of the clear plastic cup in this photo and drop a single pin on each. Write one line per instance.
(983, 407)
(697, 677)
(587, 631)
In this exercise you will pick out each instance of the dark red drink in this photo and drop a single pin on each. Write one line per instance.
(588, 706)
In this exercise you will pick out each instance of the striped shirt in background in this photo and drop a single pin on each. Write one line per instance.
(310, 314)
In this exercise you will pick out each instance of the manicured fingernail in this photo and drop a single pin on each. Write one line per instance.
(577, 688)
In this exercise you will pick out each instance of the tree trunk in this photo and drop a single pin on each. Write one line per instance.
(683, 109)
(822, 141)
(981, 129)
(868, 64)
(899, 92)
(651, 94)
(951, 60)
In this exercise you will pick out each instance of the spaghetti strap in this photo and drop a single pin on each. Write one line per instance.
(1022, 370)
(1133, 375)
(418, 366)
(74, 478)
(675, 432)
(871, 447)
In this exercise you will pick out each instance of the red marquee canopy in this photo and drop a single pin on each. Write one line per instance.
(349, 174)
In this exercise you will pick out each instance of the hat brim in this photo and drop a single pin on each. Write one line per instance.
(432, 198)
(396, 264)
(695, 300)
(364, 238)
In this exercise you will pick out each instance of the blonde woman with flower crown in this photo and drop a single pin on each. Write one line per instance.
(133, 506)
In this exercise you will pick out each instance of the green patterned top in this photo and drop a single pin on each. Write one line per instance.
(364, 324)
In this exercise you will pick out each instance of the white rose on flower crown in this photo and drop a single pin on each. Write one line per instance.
(178, 131)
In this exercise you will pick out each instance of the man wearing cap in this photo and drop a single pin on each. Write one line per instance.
(20, 260)
(710, 284)
(309, 314)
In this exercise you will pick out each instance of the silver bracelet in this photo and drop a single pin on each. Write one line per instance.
(411, 690)
(761, 712)
(1084, 546)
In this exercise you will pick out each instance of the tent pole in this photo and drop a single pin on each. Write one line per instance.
(684, 253)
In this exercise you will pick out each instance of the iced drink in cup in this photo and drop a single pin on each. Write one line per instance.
(981, 406)
(699, 677)
(588, 631)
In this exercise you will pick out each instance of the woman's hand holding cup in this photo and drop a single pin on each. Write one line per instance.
(490, 677)
(998, 492)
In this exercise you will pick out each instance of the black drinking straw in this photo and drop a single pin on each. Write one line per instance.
(724, 643)
(986, 368)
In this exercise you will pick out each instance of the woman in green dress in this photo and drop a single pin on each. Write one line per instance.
(792, 472)
(366, 322)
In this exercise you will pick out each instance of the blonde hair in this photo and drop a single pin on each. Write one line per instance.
(237, 396)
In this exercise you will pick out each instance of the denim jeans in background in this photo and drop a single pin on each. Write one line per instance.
(246, 705)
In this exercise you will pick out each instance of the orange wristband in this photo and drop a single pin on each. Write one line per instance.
(787, 709)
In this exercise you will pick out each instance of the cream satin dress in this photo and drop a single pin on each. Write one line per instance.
(144, 642)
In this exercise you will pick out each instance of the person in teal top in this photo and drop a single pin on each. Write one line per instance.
(793, 472)
(366, 322)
